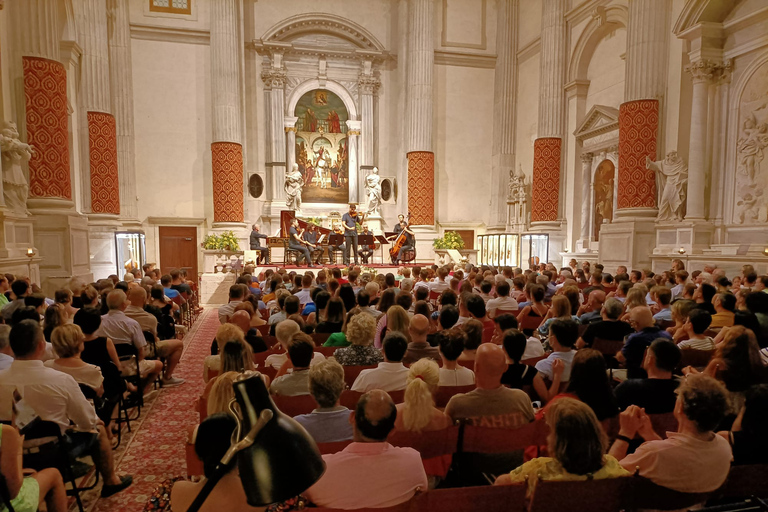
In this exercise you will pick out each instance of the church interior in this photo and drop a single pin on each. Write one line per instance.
(168, 161)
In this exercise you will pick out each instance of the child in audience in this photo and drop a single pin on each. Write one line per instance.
(698, 321)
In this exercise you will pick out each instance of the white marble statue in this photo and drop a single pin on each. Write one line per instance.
(517, 197)
(293, 183)
(754, 138)
(14, 152)
(672, 184)
(373, 191)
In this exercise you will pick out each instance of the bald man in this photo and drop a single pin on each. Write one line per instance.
(370, 473)
(631, 355)
(170, 350)
(491, 404)
(419, 348)
(590, 312)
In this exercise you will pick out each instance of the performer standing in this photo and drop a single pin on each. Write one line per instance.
(256, 245)
(367, 250)
(350, 232)
(297, 244)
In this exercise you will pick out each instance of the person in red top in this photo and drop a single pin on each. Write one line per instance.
(336, 274)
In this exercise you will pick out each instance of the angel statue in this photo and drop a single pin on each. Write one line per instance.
(293, 183)
(373, 191)
(672, 176)
(14, 152)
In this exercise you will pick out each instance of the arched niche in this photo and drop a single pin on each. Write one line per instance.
(312, 84)
(604, 21)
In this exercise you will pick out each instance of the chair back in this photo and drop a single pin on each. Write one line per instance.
(607, 347)
(269, 341)
(349, 399)
(530, 323)
(327, 448)
(202, 407)
(320, 337)
(747, 480)
(663, 423)
(259, 358)
(429, 444)
(488, 332)
(513, 312)
(582, 329)
(695, 358)
(533, 360)
(581, 496)
(499, 498)
(433, 297)
(467, 363)
(263, 329)
(503, 440)
(351, 373)
(648, 495)
(326, 351)
(665, 324)
(295, 405)
(444, 394)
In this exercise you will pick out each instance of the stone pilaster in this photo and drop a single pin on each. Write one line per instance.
(368, 85)
(545, 187)
(704, 73)
(418, 115)
(504, 108)
(227, 131)
(647, 35)
(121, 77)
(586, 196)
(356, 194)
(274, 82)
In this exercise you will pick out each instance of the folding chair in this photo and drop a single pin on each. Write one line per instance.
(580, 495)
(52, 454)
(125, 352)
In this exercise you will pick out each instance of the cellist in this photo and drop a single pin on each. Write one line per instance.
(409, 243)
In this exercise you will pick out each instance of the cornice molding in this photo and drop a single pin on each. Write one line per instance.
(465, 59)
(170, 34)
(529, 50)
(176, 221)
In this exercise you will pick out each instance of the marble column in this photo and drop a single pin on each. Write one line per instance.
(356, 192)
(227, 138)
(504, 109)
(418, 112)
(121, 76)
(274, 83)
(586, 196)
(645, 75)
(704, 73)
(368, 85)
(545, 188)
(289, 124)
(41, 99)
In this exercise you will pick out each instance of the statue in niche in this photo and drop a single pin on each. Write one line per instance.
(517, 197)
(373, 191)
(293, 183)
(603, 185)
(754, 138)
(14, 152)
(749, 209)
(672, 183)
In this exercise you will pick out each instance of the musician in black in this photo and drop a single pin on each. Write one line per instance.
(366, 251)
(350, 220)
(410, 241)
(256, 245)
(310, 236)
(297, 244)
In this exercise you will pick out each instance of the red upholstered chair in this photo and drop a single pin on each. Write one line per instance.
(349, 399)
(695, 358)
(500, 312)
(295, 405)
(533, 360)
(581, 496)
(530, 323)
(326, 351)
(269, 341)
(351, 373)
(467, 363)
(503, 440)
(444, 394)
(428, 444)
(260, 357)
(663, 423)
(321, 337)
(501, 498)
(433, 297)
(326, 448)
(194, 464)
(263, 329)
(648, 495)
(607, 347)
(744, 481)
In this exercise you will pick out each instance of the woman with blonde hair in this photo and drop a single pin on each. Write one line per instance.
(396, 319)
(221, 392)
(680, 310)
(418, 413)
(577, 445)
(561, 309)
(635, 299)
(54, 317)
(361, 352)
(68, 342)
(235, 358)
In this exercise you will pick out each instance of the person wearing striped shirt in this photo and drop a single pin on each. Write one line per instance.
(698, 322)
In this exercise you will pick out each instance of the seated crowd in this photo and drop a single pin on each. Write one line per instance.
(78, 361)
(596, 358)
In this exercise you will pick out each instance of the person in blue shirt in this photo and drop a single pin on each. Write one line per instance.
(350, 220)
(166, 282)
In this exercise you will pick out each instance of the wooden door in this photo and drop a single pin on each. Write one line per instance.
(178, 249)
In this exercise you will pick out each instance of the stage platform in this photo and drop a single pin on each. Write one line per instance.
(300, 269)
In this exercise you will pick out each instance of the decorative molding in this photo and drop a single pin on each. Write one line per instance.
(170, 34)
(176, 221)
(368, 84)
(529, 50)
(708, 71)
(465, 59)
(483, 30)
(323, 23)
(274, 78)
(598, 121)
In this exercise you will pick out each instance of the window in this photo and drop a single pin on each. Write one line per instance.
(171, 6)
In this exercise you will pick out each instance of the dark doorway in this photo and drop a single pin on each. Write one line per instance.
(178, 249)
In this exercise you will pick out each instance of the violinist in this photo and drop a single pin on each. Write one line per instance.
(296, 243)
(350, 221)
(366, 251)
(310, 237)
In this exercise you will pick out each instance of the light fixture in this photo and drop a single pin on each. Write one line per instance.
(765, 251)
(681, 250)
(277, 459)
(30, 252)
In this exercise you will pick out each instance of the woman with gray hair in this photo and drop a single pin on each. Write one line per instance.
(361, 352)
(329, 423)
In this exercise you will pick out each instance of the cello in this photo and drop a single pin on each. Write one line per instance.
(399, 242)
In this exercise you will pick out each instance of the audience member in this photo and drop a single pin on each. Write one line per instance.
(517, 375)
(631, 354)
(329, 423)
(389, 375)
(450, 343)
(361, 352)
(656, 393)
(698, 322)
(296, 381)
(724, 304)
(747, 435)
(418, 413)
(609, 327)
(418, 347)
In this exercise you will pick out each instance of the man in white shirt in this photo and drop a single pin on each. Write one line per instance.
(236, 295)
(296, 381)
(503, 301)
(55, 396)
(170, 350)
(121, 329)
(440, 284)
(423, 280)
(306, 285)
(391, 374)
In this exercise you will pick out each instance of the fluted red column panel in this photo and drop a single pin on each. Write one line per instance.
(421, 187)
(545, 188)
(638, 133)
(102, 144)
(227, 181)
(45, 98)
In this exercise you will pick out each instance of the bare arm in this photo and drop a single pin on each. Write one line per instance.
(10, 460)
(113, 352)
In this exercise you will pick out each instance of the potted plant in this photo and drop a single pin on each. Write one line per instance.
(449, 240)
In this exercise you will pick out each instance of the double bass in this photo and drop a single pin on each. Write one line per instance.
(399, 242)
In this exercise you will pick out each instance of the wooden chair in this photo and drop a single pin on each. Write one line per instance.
(581, 496)
(648, 495)
(501, 498)
(444, 394)
(695, 358)
(428, 444)
(320, 337)
(263, 329)
(467, 363)
(351, 373)
(326, 351)
(745, 481)
(295, 405)
(327, 448)
(503, 440)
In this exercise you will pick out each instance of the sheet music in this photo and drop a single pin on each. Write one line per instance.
(320, 240)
